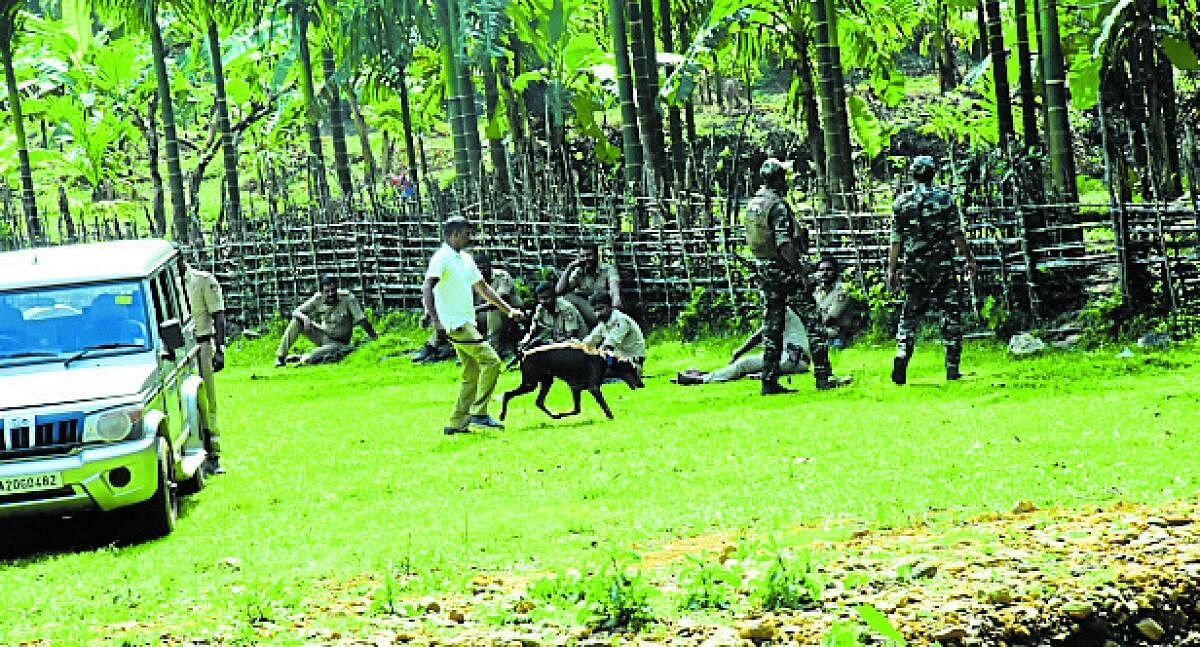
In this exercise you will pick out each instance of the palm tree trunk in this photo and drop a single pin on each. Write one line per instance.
(662, 163)
(833, 107)
(947, 70)
(180, 225)
(33, 226)
(499, 157)
(630, 141)
(512, 107)
(158, 207)
(364, 137)
(453, 84)
(1004, 119)
(808, 107)
(467, 98)
(470, 112)
(674, 119)
(228, 148)
(1028, 103)
(981, 44)
(410, 143)
(1058, 127)
(1164, 110)
(647, 102)
(841, 117)
(318, 189)
(337, 124)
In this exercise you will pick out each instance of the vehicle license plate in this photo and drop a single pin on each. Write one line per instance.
(30, 483)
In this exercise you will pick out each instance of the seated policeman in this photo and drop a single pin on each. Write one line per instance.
(327, 319)
(554, 320)
(615, 331)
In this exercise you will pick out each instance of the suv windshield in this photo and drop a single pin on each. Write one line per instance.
(61, 322)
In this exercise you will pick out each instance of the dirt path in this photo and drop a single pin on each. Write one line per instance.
(1120, 575)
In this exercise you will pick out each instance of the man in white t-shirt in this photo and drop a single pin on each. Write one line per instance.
(447, 296)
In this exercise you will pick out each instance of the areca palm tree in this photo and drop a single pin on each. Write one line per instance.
(301, 18)
(11, 22)
(378, 38)
(209, 17)
(142, 15)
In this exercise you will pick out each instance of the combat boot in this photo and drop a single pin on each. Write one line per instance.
(900, 370)
(953, 357)
(773, 387)
(823, 371)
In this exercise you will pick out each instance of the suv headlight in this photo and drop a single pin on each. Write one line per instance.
(113, 425)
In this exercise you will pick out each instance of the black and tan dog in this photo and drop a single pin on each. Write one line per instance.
(582, 368)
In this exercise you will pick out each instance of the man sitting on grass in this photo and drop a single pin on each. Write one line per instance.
(327, 319)
(554, 320)
(616, 331)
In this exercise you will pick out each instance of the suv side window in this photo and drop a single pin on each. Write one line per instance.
(166, 303)
(176, 278)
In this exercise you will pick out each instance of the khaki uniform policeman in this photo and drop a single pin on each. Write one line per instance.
(586, 276)
(616, 331)
(207, 304)
(327, 319)
(554, 319)
(833, 303)
(489, 319)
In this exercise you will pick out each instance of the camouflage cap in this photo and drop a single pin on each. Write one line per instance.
(773, 170)
(922, 167)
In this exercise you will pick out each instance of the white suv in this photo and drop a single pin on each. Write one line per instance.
(102, 406)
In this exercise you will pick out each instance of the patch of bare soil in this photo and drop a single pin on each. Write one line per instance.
(1121, 575)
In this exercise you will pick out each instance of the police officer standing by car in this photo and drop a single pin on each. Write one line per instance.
(207, 304)
(774, 238)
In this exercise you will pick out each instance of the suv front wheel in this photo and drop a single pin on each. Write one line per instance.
(156, 516)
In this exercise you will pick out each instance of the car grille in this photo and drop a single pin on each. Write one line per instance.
(48, 432)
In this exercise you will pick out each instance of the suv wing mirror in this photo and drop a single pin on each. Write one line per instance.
(171, 332)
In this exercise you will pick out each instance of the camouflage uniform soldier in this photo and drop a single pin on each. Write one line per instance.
(926, 228)
(774, 238)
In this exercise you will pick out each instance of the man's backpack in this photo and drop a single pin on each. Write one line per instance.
(757, 221)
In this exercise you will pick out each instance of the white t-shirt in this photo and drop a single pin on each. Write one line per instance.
(456, 274)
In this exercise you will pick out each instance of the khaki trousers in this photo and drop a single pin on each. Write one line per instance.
(207, 349)
(328, 349)
(480, 369)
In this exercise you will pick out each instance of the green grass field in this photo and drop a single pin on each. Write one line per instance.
(340, 476)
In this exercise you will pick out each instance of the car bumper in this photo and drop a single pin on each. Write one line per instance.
(93, 480)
